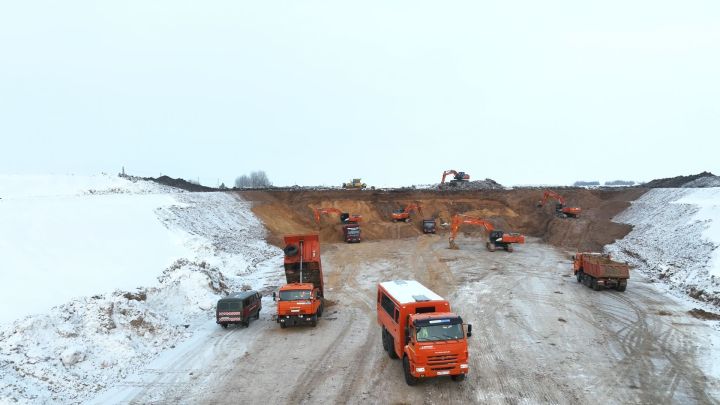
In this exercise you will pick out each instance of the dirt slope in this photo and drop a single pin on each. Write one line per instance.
(285, 212)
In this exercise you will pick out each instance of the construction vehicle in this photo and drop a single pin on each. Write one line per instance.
(355, 184)
(458, 177)
(560, 209)
(301, 300)
(419, 327)
(404, 214)
(429, 225)
(351, 233)
(345, 218)
(497, 239)
(598, 271)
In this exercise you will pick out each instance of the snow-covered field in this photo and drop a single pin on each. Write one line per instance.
(131, 268)
(675, 240)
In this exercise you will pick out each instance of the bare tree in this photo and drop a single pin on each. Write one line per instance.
(243, 181)
(259, 179)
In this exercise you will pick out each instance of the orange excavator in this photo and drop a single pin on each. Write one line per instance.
(404, 214)
(560, 209)
(345, 218)
(497, 239)
(457, 177)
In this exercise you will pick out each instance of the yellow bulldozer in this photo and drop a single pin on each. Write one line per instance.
(355, 184)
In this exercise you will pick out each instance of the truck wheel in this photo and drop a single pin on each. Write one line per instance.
(621, 286)
(320, 310)
(595, 285)
(409, 379)
(383, 335)
(579, 276)
(313, 323)
(282, 325)
(391, 347)
(224, 325)
(458, 378)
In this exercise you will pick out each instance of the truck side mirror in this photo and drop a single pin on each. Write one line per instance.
(407, 335)
(274, 296)
(469, 332)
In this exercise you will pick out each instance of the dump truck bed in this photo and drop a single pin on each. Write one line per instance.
(603, 267)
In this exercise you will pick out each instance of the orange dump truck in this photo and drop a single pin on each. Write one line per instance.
(419, 327)
(301, 301)
(597, 271)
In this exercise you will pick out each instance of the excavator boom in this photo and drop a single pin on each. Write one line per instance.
(344, 216)
(560, 208)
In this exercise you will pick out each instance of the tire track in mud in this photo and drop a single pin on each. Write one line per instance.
(344, 278)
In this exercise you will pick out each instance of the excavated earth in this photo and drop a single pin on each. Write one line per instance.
(285, 212)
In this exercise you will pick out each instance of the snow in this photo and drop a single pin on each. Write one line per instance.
(96, 247)
(675, 240)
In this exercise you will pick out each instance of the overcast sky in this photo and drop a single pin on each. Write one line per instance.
(523, 92)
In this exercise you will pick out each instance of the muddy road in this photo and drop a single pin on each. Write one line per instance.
(539, 337)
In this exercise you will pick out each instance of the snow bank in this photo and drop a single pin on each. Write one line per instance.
(23, 186)
(675, 240)
(98, 242)
(68, 240)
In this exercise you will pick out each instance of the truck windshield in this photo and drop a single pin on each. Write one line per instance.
(353, 231)
(294, 295)
(439, 332)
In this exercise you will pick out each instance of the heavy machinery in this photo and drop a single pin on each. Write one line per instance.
(598, 270)
(458, 177)
(429, 225)
(351, 233)
(418, 326)
(350, 229)
(301, 300)
(404, 214)
(560, 209)
(497, 239)
(345, 218)
(355, 184)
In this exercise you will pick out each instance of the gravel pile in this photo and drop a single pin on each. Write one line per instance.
(487, 184)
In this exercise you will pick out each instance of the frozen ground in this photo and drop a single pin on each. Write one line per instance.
(538, 337)
(97, 239)
(675, 240)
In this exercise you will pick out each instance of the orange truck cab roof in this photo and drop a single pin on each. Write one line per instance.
(434, 315)
(298, 286)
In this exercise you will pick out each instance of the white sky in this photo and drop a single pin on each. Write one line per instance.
(394, 92)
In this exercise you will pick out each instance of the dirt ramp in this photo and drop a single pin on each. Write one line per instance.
(287, 211)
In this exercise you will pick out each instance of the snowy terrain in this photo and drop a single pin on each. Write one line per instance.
(675, 240)
(75, 240)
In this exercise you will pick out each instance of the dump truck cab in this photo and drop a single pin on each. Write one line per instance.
(351, 233)
(428, 226)
(299, 303)
(418, 326)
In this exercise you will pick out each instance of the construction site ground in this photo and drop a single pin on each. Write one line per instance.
(539, 337)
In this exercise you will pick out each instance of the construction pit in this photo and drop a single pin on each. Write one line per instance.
(539, 335)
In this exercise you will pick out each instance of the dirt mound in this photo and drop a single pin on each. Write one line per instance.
(285, 212)
(681, 181)
(180, 183)
(487, 184)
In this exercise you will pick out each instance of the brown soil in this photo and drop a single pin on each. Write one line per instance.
(702, 314)
(285, 212)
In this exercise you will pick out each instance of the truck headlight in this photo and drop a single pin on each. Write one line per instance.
(300, 316)
(419, 369)
(463, 366)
